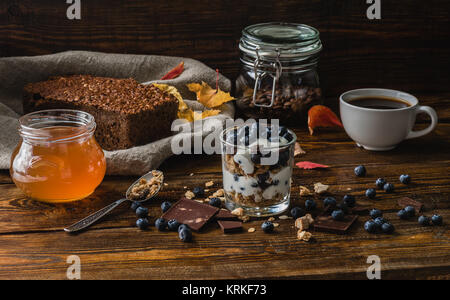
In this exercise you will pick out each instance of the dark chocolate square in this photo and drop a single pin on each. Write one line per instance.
(326, 223)
(225, 215)
(192, 213)
(230, 226)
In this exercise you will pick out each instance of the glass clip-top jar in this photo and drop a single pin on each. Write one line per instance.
(279, 78)
(58, 158)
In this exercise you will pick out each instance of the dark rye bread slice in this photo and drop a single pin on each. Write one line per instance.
(127, 113)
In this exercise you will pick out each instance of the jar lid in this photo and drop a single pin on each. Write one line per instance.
(289, 39)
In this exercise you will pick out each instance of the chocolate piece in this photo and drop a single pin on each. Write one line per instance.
(191, 213)
(359, 210)
(127, 113)
(328, 224)
(225, 215)
(230, 226)
(405, 201)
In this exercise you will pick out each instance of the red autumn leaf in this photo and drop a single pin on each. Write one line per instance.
(322, 116)
(307, 165)
(175, 72)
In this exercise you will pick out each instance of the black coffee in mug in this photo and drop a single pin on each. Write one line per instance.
(379, 102)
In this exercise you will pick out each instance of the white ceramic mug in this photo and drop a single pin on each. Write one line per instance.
(382, 129)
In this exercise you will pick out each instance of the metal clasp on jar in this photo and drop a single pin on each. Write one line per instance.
(259, 74)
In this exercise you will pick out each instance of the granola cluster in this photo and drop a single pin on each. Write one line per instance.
(145, 189)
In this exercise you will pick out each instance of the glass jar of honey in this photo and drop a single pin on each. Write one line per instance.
(58, 158)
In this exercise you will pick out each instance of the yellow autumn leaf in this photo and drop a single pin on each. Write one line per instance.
(184, 112)
(205, 114)
(182, 106)
(208, 96)
(187, 114)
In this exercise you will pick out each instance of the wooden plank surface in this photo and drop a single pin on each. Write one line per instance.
(405, 50)
(33, 245)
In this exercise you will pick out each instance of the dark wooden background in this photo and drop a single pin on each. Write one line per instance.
(408, 49)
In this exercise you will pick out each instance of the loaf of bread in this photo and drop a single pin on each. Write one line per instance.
(127, 113)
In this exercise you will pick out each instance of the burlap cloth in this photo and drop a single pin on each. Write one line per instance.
(15, 72)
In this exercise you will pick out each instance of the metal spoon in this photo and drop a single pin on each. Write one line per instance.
(88, 221)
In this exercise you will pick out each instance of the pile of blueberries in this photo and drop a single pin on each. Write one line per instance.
(410, 212)
(184, 232)
(246, 135)
(338, 210)
(378, 223)
(380, 183)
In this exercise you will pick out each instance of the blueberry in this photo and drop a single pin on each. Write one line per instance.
(173, 225)
(232, 137)
(405, 179)
(402, 214)
(388, 187)
(267, 227)
(247, 140)
(310, 205)
(284, 158)
(254, 185)
(437, 220)
(256, 158)
(185, 235)
(142, 223)
(161, 224)
(199, 191)
(141, 212)
(165, 206)
(424, 220)
(268, 132)
(216, 202)
(288, 136)
(329, 201)
(411, 211)
(262, 178)
(275, 182)
(360, 171)
(338, 215)
(297, 212)
(371, 193)
(370, 226)
(387, 228)
(282, 131)
(375, 213)
(380, 221)
(380, 183)
(134, 205)
(183, 227)
(350, 200)
(236, 177)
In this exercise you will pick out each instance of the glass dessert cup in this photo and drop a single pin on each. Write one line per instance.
(257, 174)
(58, 159)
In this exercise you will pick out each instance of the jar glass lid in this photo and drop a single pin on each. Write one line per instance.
(289, 39)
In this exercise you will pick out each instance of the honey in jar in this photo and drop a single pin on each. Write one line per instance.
(58, 159)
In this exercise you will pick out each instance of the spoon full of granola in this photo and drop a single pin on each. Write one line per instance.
(142, 190)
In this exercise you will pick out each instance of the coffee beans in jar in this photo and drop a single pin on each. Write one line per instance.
(278, 78)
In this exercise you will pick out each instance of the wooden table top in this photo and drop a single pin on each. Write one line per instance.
(33, 245)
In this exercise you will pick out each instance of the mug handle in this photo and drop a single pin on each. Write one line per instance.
(434, 120)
